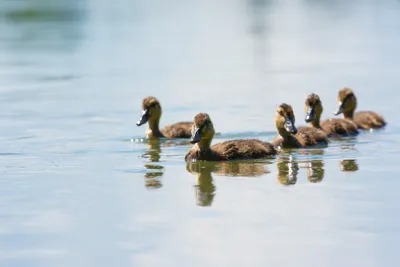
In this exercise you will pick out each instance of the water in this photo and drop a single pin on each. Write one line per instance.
(80, 188)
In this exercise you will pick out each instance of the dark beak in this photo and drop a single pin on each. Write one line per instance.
(310, 115)
(339, 110)
(290, 127)
(196, 137)
(144, 118)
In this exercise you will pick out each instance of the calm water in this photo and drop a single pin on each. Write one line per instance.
(78, 186)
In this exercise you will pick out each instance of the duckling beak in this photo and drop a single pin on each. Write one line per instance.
(340, 109)
(290, 127)
(144, 118)
(310, 115)
(196, 137)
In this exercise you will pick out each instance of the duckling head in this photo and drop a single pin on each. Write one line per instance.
(313, 108)
(347, 102)
(202, 129)
(284, 120)
(151, 111)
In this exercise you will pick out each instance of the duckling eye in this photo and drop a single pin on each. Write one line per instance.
(280, 112)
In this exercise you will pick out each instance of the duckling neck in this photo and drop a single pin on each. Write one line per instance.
(154, 129)
(283, 133)
(204, 145)
(348, 115)
(315, 123)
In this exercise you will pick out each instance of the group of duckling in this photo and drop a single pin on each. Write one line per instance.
(201, 131)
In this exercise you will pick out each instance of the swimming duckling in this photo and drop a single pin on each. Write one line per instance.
(152, 112)
(291, 137)
(332, 127)
(202, 135)
(347, 103)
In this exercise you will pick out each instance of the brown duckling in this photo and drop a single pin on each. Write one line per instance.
(332, 127)
(347, 103)
(151, 113)
(291, 137)
(202, 135)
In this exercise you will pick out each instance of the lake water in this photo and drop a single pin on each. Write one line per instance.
(80, 187)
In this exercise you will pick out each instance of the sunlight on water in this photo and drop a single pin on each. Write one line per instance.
(82, 186)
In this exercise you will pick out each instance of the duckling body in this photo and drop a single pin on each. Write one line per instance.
(177, 130)
(311, 136)
(231, 150)
(289, 141)
(305, 137)
(339, 127)
(151, 113)
(202, 134)
(291, 137)
(347, 103)
(368, 120)
(332, 127)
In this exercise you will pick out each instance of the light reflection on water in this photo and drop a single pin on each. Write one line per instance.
(79, 186)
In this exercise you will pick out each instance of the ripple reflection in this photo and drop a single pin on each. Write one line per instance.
(205, 188)
(155, 171)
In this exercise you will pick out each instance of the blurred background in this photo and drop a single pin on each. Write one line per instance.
(76, 190)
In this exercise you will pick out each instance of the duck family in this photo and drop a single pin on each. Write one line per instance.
(201, 131)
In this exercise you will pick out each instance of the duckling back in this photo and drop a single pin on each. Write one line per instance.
(339, 127)
(232, 150)
(305, 137)
(243, 149)
(368, 120)
(308, 136)
(178, 130)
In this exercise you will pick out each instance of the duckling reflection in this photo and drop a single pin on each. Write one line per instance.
(314, 166)
(154, 151)
(315, 171)
(155, 171)
(348, 165)
(287, 171)
(246, 169)
(205, 188)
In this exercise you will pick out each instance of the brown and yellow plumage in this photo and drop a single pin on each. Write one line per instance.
(347, 103)
(291, 137)
(332, 127)
(202, 135)
(151, 113)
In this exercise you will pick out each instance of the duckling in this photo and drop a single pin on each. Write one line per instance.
(202, 135)
(152, 112)
(332, 127)
(291, 137)
(347, 103)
